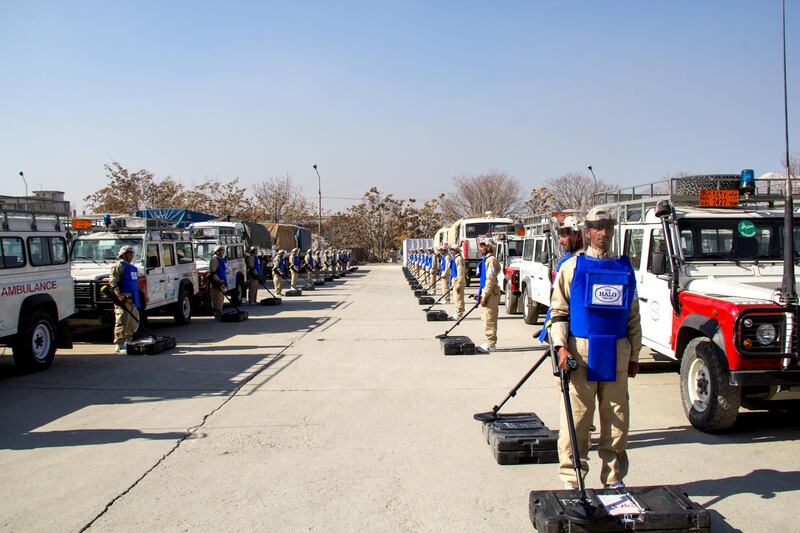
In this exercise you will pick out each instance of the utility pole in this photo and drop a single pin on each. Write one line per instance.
(319, 222)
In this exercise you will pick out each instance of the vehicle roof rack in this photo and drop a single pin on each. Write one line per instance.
(32, 215)
(686, 192)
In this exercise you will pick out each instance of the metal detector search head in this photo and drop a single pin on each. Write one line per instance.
(488, 416)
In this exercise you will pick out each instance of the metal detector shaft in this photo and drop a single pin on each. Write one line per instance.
(474, 307)
(440, 299)
(264, 284)
(113, 296)
(516, 388)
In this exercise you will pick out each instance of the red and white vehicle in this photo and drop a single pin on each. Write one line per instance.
(466, 233)
(206, 236)
(164, 257)
(540, 254)
(709, 264)
(509, 254)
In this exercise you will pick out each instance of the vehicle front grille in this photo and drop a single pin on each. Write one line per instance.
(83, 293)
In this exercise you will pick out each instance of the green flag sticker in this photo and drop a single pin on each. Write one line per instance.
(747, 229)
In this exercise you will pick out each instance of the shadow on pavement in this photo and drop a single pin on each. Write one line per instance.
(751, 427)
(81, 437)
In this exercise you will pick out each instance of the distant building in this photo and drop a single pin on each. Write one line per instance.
(51, 202)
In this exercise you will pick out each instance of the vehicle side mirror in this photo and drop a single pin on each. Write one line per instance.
(658, 263)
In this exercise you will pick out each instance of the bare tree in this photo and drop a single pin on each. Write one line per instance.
(575, 190)
(279, 200)
(540, 201)
(494, 191)
(129, 191)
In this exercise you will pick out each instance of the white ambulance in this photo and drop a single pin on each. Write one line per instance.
(36, 288)
(206, 236)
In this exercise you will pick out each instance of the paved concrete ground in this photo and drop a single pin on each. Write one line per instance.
(336, 412)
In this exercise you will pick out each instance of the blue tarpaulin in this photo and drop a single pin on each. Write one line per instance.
(180, 217)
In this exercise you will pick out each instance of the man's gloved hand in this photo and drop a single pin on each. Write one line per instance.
(633, 368)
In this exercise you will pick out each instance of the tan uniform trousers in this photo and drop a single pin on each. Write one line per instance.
(277, 280)
(458, 289)
(217, 300)
(613, 408)
(432, 277)
(309, 277)
(293, 281)
(252, 289)
(446, 288)
(489, 316)
(124, 324)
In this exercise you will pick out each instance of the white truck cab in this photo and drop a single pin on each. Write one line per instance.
(206, 236)
(509, 254)
(35, 286)
(164, 257)
(466, 233)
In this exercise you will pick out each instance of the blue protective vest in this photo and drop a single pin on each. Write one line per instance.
(129, 284)
(429, 262)
(282, 266)
(257, 266)
(543, 334)
(442, 266)
(453, 268)
(222, 271)
(601, 295)
(296, 261)
(481, 266)
(311, 261)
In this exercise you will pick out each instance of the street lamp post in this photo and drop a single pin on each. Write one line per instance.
(319, 221)
(22, 175)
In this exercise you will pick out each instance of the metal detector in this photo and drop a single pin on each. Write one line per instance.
(491, 416)
(446, 333)
(439, 300)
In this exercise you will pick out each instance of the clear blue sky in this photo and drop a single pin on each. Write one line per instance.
(402, 95)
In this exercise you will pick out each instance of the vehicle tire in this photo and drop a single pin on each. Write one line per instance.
(183, 308)
(530, 310)
(710, 402)
(35, 346)
(512, 302)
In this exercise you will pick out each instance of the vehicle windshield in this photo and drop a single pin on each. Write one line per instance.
(735, 239)
(476, 229)
(204, 250)
(102, 250)
(514, 248)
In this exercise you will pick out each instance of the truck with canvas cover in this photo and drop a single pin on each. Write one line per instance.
(36, 287)
(288, 236)
(712, 273)
(164, 257)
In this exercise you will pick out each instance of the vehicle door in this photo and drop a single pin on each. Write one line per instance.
(13, 271)
(526, 267)
(171, 276)
(541, 281)
(653, 290)
(156, 280)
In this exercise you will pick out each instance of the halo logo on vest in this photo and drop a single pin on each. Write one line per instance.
(610, 295)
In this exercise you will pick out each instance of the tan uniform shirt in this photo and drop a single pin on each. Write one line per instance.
(213, 267)
(117, 271)
(250, 261)
(559, 305)
(461, 272)
(492, 269)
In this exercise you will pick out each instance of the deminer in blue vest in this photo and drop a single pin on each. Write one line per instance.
(294, 267)
(458, 280)
(310, 266)
(279, 271)
(217, 280)
(124, 281)
(489, 296)
(444, 271)
(254, 274)
(570, 239)
(595, 320)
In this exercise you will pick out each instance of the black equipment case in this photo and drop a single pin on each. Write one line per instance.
(426, 300)
(151, 345)
(271, 301)
(436, 316)
(308, 287)
(458, 345)
(319, 282)
(664, 508)
(293, 292)
(521, 438)
(233, 315)
(420, 292)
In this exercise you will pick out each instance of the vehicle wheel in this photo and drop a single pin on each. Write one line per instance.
(512, 301)
(530, 311)
(183, 309)
(710, 402)
(35, 346)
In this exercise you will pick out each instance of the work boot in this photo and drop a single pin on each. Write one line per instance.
(486, 348)
(570, 485)
(617, 485)
(119, 348)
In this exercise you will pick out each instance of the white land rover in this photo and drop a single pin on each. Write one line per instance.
(540, 253)
(164, 257)
(206, 236)
(35, 287)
